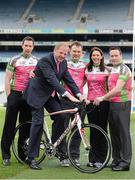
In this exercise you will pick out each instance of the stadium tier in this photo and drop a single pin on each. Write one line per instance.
(67, 15)
(6, 55)
(95, 23)
(101, 23)
(108, 14)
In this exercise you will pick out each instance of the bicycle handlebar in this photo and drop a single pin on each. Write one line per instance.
(72, 111)
(78, 107)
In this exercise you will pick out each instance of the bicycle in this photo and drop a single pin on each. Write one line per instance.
(49, 149)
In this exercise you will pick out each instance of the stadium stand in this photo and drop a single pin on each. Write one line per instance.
(67, 14)
(108, 14)
(11, 12)
(54, 14)
(84, 20)
(95, 23)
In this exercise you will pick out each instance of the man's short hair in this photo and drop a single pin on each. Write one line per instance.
(28, 38)
(61, 44)
(76, 43)
(115, 48)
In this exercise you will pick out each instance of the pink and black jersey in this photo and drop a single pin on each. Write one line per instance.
(120, 72)
(21, 66)
(96, 82)
(77, 72)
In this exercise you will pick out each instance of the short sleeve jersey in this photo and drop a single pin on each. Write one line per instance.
(121, 72)
(96, 82)
(77, 72)
(21, 67)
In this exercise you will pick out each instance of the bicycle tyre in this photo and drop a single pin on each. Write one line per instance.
(24, 148)
(84, 152)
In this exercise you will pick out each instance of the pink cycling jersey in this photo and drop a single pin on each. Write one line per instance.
(121, 72)
(77, 71)
(96, 82)
(21, 67)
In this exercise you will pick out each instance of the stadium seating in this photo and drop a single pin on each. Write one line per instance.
(11, 12)
(105, 14)
(54, 14)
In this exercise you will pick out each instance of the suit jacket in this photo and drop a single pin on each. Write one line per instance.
(46, 80)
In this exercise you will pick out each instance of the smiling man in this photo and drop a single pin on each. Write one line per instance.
(119, 84)
(42, 93)
(76, 69)
(16, 79)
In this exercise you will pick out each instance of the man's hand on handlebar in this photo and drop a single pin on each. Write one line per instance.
(72, 98)
(81, 98)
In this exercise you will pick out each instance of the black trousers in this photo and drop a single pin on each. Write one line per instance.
(58, 128)
(16, 105)
(76, 140)
(119, 123)
(98, 116)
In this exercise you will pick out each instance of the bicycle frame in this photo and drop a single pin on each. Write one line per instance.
(49, 149)
(76, 121)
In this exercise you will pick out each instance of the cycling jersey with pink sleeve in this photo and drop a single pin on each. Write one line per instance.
(96, 82)
(121, 72)
(21, 66)
(77, 71)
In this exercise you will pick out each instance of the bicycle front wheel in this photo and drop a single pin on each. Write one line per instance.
(89, 156)
(21, 141)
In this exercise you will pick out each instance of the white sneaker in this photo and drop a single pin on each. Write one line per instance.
(90, 164)
(98, 164)
(77, 162)
(64, 163)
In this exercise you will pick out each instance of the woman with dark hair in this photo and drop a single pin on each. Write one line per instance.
(96, 77)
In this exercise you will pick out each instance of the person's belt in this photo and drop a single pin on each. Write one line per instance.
(19, 92)
(91, 102)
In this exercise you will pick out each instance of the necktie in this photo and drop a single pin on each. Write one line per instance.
(58, 68)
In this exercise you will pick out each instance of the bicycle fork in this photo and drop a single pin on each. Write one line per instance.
(82, 133)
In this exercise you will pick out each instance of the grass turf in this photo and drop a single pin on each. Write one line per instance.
(52, 169)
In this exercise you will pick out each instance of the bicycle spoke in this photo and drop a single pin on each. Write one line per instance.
(89, 158)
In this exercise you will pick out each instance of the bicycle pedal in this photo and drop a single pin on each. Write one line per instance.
(42, 146)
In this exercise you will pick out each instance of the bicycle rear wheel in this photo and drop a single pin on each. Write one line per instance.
(20, 143)
(86, 153)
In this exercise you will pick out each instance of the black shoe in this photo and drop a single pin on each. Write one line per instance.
(121, 168)
(113, 164)
(32, 164)
(6, 162)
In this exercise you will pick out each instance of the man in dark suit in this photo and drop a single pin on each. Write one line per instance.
(41, 94)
